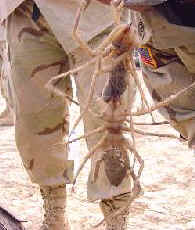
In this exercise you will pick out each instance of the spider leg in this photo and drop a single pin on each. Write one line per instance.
(116, 11)
(112, 36)
(91, 92)
(97, 146)
(133, 73)
(137, 156)
(60, 93)
(161, 104)
(150, 133)
(98, 130)
(75, 33)
(51, 83)
(155, 123)
(118, 30)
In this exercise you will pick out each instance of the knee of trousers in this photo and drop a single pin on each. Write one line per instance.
(44, 155)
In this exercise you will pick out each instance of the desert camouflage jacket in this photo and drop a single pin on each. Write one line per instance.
(60, 15)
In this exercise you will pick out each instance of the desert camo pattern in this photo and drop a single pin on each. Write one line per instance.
(173, 49)
(42, 120)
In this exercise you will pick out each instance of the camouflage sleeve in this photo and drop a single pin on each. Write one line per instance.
(129, 3)
(141, 3)
(107, 2)
(187, 56)
(137, 5)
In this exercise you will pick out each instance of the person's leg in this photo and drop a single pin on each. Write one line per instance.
(108, 180)
(42, 118)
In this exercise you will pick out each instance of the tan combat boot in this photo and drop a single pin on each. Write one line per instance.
(108, 207)
(55, 208)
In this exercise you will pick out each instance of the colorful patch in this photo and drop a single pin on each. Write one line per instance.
(147, 57)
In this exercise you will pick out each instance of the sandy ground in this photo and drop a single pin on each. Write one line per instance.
(168, 180)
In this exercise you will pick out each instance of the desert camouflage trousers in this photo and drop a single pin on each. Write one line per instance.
(42, 118)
